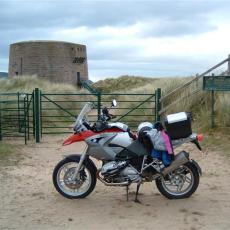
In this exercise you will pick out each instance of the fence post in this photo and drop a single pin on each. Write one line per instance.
(25, 120)
(28, 116)
(212, 109)
(158, 104)
(229, 64)
(37, 115)
(0, 120)
(98, 104)
(40, 103)
(197, 79)
(19, 114)
(33, 113)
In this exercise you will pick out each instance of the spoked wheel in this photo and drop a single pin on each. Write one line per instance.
(179, 184)
(79, 187)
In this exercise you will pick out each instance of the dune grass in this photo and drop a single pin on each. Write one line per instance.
(133, 84)
(218, 140)
(199, 104)
(27, 84)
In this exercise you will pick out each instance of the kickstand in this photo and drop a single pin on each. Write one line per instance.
(138, 187)
(127, 193)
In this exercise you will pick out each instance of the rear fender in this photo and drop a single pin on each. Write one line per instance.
(87, 161)
(197, 166)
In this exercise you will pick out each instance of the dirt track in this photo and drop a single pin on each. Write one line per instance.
(29, 200)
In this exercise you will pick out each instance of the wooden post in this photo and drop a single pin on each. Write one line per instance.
(197, 79)
(0, 121)
(212, 109)
(229, 64)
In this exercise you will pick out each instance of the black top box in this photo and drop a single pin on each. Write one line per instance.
(178, 125)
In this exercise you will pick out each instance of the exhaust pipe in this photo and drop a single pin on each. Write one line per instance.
(180, 159)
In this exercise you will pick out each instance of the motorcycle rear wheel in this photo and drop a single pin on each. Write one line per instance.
(81, 187)
(172, 186)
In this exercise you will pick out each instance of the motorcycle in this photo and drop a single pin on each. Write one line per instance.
(124, 161)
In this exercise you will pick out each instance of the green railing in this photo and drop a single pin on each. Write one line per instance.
(15, 115)
(58, 111)
(132, 108)
(37, 114)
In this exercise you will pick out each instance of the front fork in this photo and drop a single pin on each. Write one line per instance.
(83, 156)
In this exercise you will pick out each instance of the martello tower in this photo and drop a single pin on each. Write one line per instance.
(53, 60)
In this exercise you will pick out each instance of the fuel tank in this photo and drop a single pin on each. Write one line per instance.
(121, 140)
(119, 125)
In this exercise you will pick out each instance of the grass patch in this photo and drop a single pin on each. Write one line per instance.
(218, 140)
(134, 84)
(9, 154)
(27, 84)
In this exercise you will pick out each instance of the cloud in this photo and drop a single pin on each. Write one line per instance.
(121, 50)
(125, 37)
(54, 13)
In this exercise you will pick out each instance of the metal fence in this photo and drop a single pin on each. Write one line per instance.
(36, 114)
(15, 115)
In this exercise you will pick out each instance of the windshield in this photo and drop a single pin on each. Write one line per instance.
(85, 110)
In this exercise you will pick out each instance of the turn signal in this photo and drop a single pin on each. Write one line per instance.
(200, 137)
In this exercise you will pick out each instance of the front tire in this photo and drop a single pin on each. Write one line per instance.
(171, 186)
(79, 188)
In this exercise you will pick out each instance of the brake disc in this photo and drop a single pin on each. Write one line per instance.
(69, 182)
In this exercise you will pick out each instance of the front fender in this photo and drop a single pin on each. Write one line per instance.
(197, 166)
(87, 161)
(77, 137)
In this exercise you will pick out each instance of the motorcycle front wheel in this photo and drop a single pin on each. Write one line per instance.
(180, 183)
(79, 187)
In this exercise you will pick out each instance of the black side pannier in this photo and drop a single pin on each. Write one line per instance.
(178, 125)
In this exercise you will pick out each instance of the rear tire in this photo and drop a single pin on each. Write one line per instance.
(161, 184)
(67, 193)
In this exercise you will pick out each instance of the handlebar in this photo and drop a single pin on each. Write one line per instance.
(106, 116)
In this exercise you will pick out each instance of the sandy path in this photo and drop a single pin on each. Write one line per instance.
(29, 200)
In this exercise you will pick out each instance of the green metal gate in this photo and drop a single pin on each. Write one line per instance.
(133, 108)
(15, 115)
(34, 115)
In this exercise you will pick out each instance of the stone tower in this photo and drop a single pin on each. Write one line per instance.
(53, 60)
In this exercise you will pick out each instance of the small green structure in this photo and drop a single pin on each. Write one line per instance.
(215, 83)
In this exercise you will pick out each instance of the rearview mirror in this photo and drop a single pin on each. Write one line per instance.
(114, 103)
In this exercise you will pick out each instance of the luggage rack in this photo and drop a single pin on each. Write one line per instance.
(178, 142)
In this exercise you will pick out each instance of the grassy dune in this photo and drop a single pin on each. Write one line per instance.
(27, 84)
(199, 104)
(134, 84)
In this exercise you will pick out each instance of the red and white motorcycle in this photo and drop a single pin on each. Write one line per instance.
(124, 161)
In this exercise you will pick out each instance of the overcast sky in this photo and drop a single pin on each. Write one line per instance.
(134, 37)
